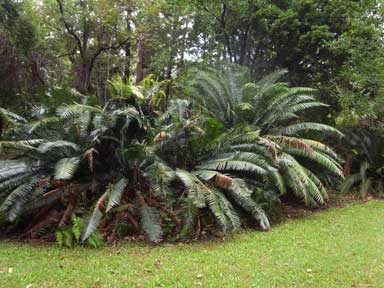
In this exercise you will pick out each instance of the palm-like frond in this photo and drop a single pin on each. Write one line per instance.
(223, 210)
(115, 192)
(150, 223)
(14, 203)
(18, 146)
(65, 168)
(297, 128)
(195, 187)
(69, 111)
(95, 218)
(11, 117)
(13, 168)
(60, 144)
(238, 161)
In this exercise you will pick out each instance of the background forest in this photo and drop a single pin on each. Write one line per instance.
(171, 117)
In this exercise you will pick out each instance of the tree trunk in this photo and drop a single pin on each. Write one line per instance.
(127, 69)
(140, 62)
(243, 46)
(83, 78)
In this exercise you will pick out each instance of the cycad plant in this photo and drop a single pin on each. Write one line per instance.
(125, 163)
(270, 111)
(146, 164)
(364, 168)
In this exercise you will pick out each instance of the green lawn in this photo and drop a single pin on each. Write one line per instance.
(338, 248)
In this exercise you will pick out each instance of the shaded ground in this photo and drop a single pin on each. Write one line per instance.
(341, 247)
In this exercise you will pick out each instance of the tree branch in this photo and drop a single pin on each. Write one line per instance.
(70, 29)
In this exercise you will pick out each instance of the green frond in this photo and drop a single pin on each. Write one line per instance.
(18, 146)
(294, 129)
(160, 177)
(272, 77)
(49, 146)
(277, 180)
(246, 138)
(232, 165)
(318, 184)
(13, 168)
(206, 175)
(92, 224)
(223, 210)
(70, 111)
(321, 148)
(14, 182)
(95, 218)
(195, 187)
(240, 187)
(238, 194)
(11, 117)
(238, 161)
(301, 182)
(319, 158)
(150, 223)
(350, 181)
(189, 215)
(13, 205)
(42, 123)
(65, 168)
(115, 192)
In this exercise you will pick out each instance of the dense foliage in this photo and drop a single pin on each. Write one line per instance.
(143, 161)
(141, 117)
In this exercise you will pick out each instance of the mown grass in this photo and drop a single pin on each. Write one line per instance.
(337, 248)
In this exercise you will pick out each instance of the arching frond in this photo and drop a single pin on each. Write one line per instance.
(95, 218)
(195, 187)
(238, 161)
(239, 195)
(65, 168)
(12, 168)
(115, 192)
(189, 215)
(14, 203)
(11, 117)
(150, 223)
(14, 181)
(160, 177)
(69, 111)
(42, 123)
(223, 210)
(49, 146)
(19, 146)
(294, 129)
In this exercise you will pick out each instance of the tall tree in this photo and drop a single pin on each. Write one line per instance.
(91, 27)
